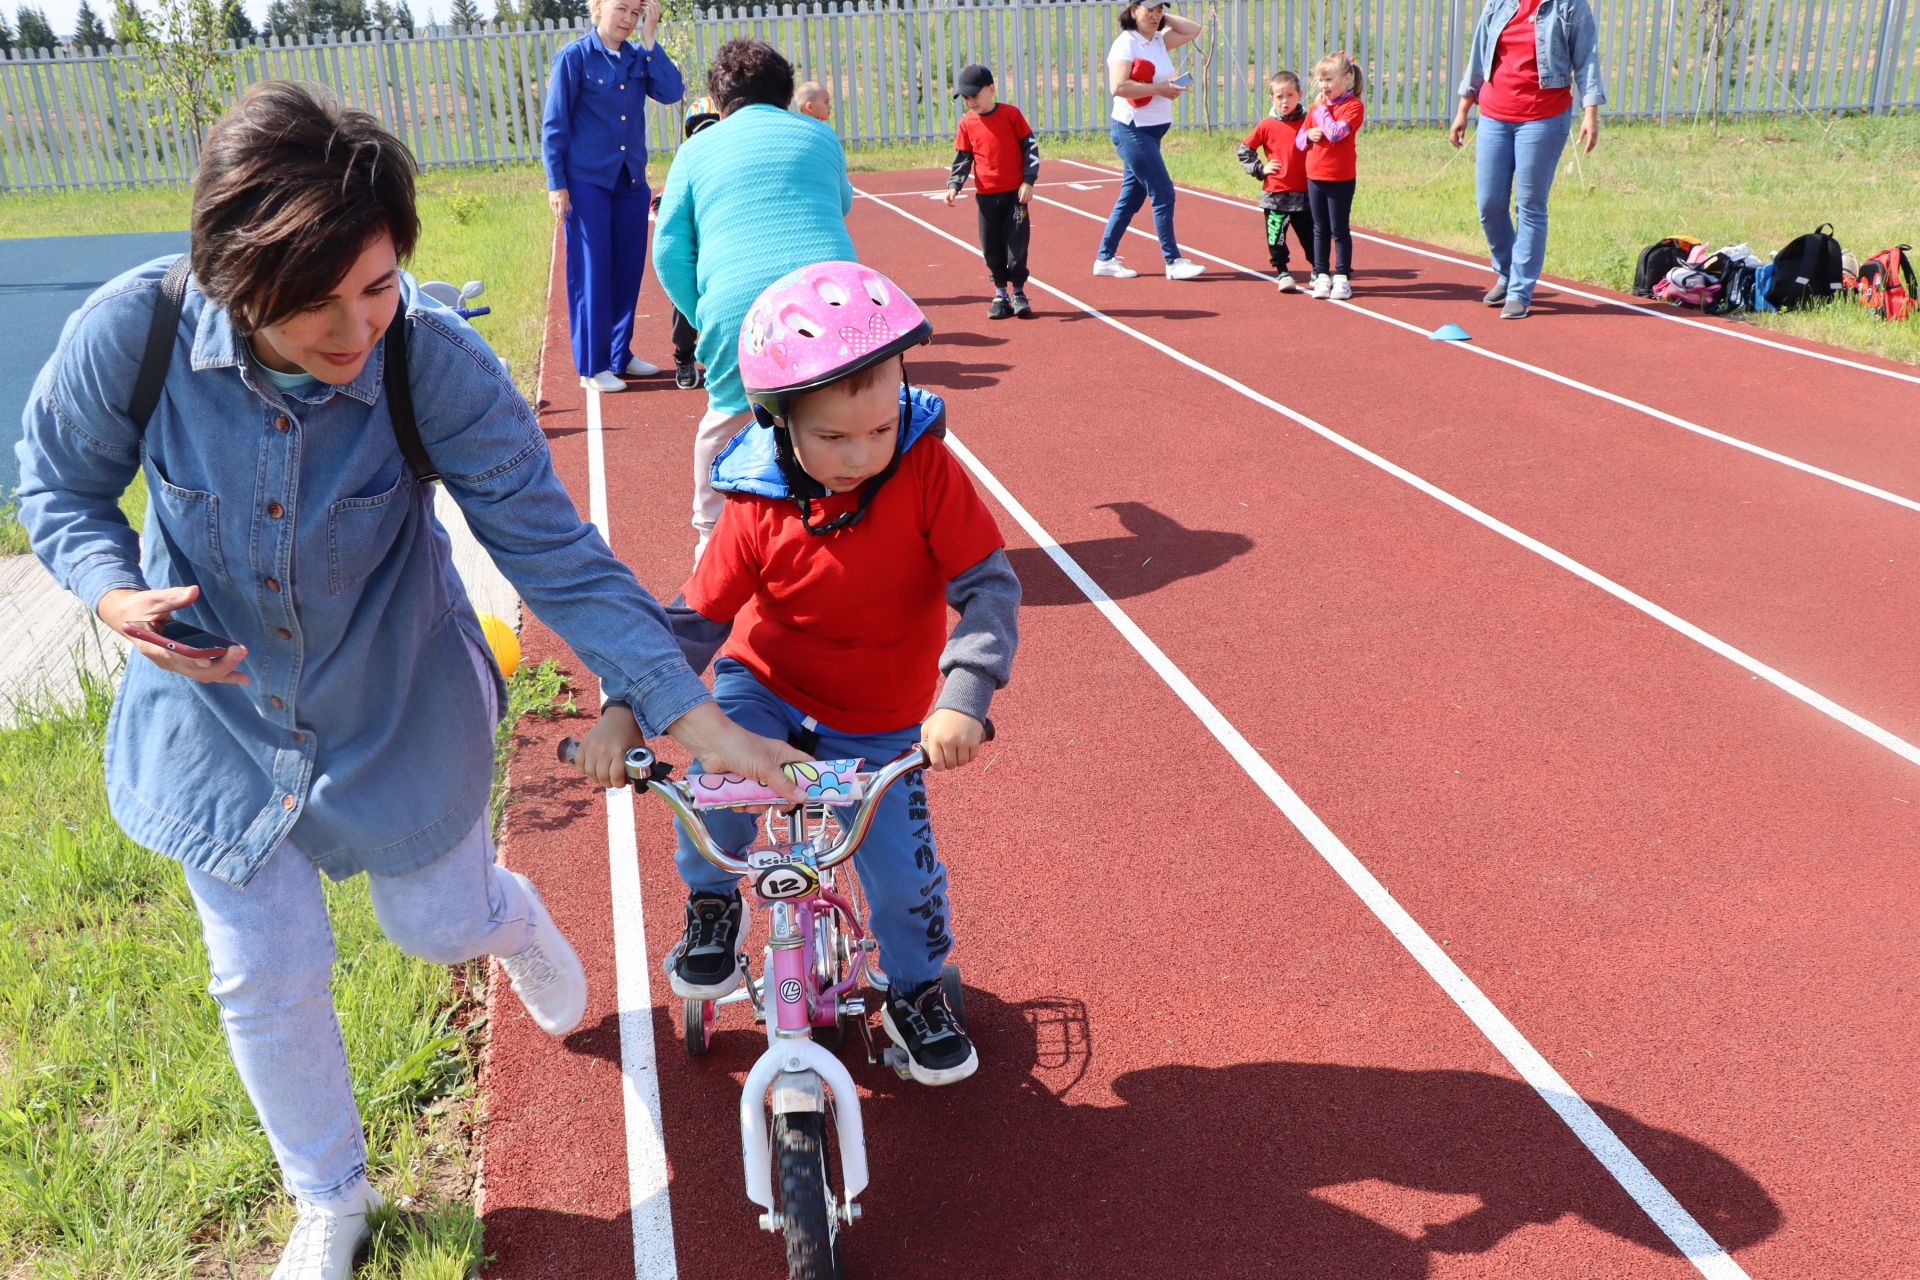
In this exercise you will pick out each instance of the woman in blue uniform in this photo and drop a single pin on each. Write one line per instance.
(594, 140)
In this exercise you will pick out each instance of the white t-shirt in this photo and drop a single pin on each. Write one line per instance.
(1128, 46)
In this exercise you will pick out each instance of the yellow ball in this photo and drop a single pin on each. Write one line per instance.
(505, 644)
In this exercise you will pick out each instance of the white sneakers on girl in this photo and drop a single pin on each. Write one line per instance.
(1323, 286)
(1341, 290)
(1113, 267)
(1182, 269)
(1286, 282)
(326, 1236)
(546, 973)
(638, 368)
(606, 381)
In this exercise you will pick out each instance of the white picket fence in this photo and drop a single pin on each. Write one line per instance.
(473, 96)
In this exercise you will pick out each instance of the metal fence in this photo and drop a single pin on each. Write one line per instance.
(473, 96)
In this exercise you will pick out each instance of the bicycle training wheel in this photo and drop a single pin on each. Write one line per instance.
(956, 998)
(697, 1019)
(807, 1204)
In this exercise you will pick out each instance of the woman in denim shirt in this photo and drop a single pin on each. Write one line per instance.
(1526, 62)
(350, 726)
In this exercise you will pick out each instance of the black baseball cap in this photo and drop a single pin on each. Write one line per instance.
(972, 80)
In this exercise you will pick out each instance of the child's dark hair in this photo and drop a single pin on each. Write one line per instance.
(746, 72)
(1341, 64)
(860, 379)
(1284, 77)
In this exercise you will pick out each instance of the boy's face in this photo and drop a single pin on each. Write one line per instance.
(1286, 96)
(844, 438)
(981, 102)
(820, 106)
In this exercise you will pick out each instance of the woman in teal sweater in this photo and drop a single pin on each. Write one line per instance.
(747, 200)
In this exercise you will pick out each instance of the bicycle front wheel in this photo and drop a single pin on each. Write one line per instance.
(807, 1203)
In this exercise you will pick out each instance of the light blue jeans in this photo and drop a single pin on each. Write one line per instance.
(270, 948)
(1514, 166)
(1145, 177)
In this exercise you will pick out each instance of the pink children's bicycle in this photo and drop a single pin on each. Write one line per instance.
(799, 1101)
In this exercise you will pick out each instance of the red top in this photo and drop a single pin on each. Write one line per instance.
(1286, 167)
(994, 140)
(1512, 92)
(848, 626)
(1332, 159)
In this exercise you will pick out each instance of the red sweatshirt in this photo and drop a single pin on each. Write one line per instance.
(1286, 167)
(1332, 159)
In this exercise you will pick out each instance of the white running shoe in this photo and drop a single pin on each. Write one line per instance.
(1322, 286)
(638, 368)
(1181, 269)
(1286, 282)
(1341, 290)
(606, 381)
(1113, 267)
(326, 1236)
(546, 973)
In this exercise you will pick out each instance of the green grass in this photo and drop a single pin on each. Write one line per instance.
(127, 1147)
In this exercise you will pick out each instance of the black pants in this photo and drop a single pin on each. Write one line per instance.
(1331, 204)
(1277, 222)
(684, 336)
(1005, 229)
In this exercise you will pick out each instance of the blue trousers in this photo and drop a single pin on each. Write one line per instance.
(900, 872)
(606, 256)
(1514, 164)
(1146, 178)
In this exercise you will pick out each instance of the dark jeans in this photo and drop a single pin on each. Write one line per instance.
(1277, 223)
(1146, 177)
(1006, 227)
(1331, 204)
(684, 336)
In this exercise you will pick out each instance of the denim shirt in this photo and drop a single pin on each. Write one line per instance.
(1566, 44)
(595, 118)
(364, 733)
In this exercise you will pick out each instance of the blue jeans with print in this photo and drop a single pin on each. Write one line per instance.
(1514, 164)
(900, 871)
(1146, 178)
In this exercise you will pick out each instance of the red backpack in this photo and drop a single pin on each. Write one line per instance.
(1887, 283)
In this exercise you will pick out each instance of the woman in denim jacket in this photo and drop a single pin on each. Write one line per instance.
(1526, 62)
(349, 727)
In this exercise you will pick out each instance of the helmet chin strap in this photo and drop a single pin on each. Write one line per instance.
(807, 491)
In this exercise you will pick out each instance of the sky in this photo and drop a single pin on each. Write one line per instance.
(61, 12)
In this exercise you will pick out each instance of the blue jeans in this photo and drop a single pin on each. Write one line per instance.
(1146, 176)
(606, 256)
(900, 871)
(1515, 163)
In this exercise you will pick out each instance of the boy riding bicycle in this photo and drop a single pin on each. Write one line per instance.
(848, 531)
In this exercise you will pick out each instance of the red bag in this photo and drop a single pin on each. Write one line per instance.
(1141, 70)
(1887, 283)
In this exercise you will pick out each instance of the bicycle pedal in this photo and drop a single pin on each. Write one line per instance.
(896, 1057)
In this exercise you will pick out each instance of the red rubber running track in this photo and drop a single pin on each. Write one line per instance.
(1585, 927)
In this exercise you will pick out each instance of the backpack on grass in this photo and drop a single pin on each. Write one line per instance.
(1697, 282)
(1807, 271)
(1887, 285)
(1659, 258)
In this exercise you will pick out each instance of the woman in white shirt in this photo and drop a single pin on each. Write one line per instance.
(1140, 78)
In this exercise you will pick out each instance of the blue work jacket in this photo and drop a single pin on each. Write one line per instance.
(1566, 48)
(364, 733)
(596, 113)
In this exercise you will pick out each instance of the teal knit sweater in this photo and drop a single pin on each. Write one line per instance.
(747, 200)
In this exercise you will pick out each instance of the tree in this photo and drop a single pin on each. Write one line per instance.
(403, 16)
(237, 25)
(128, 22)
(190, 72)
(88, 31)
(35, 31)
(465, 13)
(6, 33)
(505, 11)
(283, 22)
(351, 15)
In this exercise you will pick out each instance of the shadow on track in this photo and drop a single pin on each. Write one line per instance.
(1157, 550)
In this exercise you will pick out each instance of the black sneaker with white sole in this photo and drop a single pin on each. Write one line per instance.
(705, 963)
(920, 1021)
(686, 376)
(999, 308)
(1021, 307)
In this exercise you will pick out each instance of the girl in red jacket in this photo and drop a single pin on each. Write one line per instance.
(1336, 116)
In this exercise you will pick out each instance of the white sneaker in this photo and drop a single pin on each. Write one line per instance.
(1113, 267)
(326, 1236)
(546, 973)
(638, 368)
(1341, 290)
(606, 381)
(1286, 282)
(1322, 287)
(1181, 269)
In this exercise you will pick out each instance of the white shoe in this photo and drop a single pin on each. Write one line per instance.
(1341, 290)
(1322, 287)
(638, 368)
(606, 381)
(1113, 267)
(326, 1236)
(1181, 269)
(1286, 282)
(546, 973)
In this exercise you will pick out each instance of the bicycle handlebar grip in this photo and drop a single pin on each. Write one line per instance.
(469, 313)
(987, 724)
(567, 749)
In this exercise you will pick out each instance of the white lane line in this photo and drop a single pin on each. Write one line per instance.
(935, 193)
(1745, 446)
(1667, 314)
(653, 1256)
(1786, 684)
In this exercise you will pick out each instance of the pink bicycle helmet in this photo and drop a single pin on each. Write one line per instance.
(817, 324)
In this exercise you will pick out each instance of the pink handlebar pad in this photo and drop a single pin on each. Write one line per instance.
(819, 781)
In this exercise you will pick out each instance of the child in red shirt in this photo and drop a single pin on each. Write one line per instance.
(849, 529)
(999, 147)
(1337, 116)
(1284, 191)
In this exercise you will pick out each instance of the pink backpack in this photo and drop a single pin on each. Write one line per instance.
(1692, 283)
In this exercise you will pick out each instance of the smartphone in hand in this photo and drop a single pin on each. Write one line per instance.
(179, 637)
(1183, 81)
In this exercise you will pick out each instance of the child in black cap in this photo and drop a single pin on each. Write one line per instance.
(999, 148)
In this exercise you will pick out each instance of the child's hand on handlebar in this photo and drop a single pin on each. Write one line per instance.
(603, 752)
(951, 739)
(721, 746)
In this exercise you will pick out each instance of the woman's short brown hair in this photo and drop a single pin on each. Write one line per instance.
(747, 71)
(290, 189)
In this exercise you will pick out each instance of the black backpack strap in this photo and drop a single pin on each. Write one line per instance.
(161, 333)
(400, 401)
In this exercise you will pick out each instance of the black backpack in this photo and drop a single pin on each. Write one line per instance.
(1736, 290)
(165, 330)
(1659, 258)
(1807, 271)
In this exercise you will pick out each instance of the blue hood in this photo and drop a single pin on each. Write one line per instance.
(748, 465)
